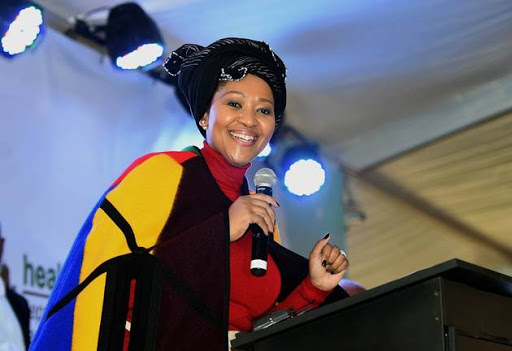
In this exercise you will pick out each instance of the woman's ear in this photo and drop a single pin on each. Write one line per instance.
(204, 122)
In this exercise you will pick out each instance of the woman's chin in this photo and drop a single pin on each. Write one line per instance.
(239, 161)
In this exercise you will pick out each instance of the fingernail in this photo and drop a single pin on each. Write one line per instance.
(327, 235)
(324, 263)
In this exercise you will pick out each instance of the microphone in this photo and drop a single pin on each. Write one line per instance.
(264, 180)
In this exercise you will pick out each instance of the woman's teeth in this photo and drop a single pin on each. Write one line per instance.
(243, 136)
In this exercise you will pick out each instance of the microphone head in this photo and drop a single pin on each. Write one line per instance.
(265, 177)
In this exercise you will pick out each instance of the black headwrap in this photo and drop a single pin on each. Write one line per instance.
(200, 69)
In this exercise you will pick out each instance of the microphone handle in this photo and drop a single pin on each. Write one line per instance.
(259, 252)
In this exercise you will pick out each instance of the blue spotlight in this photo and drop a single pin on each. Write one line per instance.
(266, 151)
(21, 23)
(303, 173)
(132, 37)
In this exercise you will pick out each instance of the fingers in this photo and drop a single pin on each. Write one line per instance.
(317, 249)
(265, 198)
(262, 222)
(258, 205)
(263, 209)
(252, 209)
(333, 254)
(334, 259)
(340, 264)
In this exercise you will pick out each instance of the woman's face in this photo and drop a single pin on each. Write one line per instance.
(241, 119)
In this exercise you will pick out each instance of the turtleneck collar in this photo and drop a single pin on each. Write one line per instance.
(229, 178)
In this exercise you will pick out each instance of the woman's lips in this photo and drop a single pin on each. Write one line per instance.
(244, 138)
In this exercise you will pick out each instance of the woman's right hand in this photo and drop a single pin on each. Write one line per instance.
(251, 209)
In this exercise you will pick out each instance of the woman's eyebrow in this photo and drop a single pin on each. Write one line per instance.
(244, 95)
(233, 92)
(267, 100)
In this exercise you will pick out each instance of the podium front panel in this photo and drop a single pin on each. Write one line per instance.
(453, 306)
(477, 312)
(405, 320)
(465, 343)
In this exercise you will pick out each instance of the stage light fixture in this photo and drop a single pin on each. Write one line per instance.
(303, 171)
(132, 37)
(21, 24)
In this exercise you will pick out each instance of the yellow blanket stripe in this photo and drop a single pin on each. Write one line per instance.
(145, 198)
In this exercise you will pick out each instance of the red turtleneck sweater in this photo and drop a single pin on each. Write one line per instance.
(252, 297)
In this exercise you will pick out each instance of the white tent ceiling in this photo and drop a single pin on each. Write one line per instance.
(367, 79)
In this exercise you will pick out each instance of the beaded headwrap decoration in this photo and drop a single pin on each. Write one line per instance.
(200, 70)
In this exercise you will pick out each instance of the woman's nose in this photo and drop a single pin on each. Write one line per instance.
(247, 117)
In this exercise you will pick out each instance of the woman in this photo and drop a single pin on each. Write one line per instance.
(193, 210)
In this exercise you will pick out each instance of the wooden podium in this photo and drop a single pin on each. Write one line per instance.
(453, 306)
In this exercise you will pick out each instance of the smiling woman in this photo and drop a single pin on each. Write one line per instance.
(193, 212)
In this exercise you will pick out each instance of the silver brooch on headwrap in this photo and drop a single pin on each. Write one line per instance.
(233, 75)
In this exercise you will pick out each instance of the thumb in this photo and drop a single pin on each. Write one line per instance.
(317, 249)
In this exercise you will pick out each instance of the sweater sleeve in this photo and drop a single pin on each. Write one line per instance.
(305, 296)
(297, 291)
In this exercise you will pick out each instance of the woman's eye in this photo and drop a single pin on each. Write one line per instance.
(234, 104)
(266, 111)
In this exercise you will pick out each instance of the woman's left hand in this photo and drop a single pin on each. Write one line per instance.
(327, 265)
